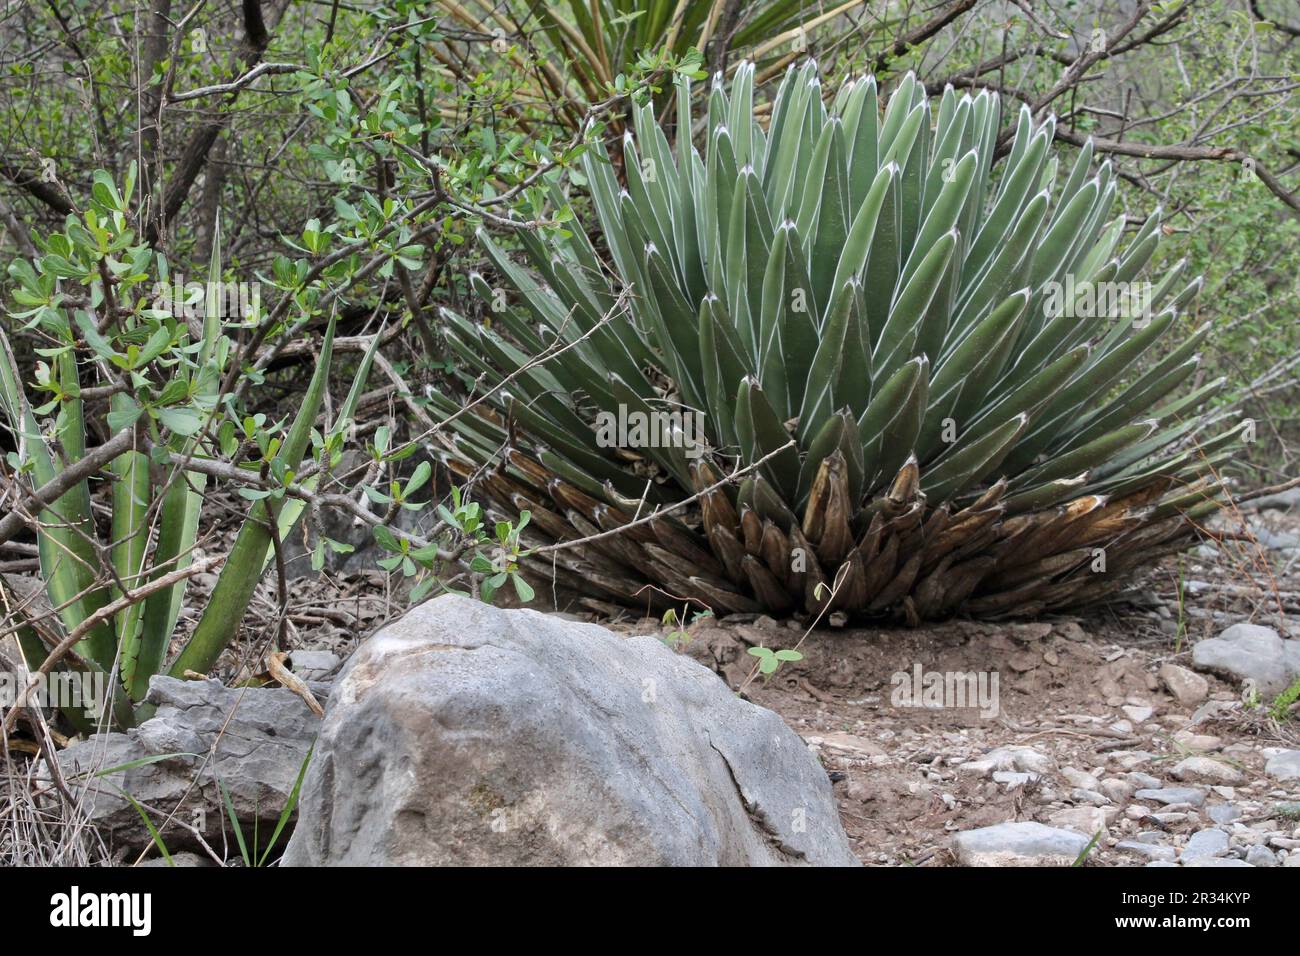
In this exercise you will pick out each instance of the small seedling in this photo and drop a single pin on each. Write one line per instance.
(769, 660)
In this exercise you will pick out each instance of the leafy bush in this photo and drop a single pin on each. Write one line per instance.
(169, 409)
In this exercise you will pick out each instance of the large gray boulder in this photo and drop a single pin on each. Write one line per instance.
(468, 734)
(253, 740)
(1251, 652)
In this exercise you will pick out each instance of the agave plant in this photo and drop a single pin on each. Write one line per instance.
(886, 343)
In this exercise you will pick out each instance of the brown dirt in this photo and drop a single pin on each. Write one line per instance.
(1062, 685)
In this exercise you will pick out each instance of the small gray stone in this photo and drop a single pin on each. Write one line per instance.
(179, 858)
(1282, 500)
(1091, 797)
(314, 665)
(261, 738)
(1147, 850)
(1132, 759)
(1187, 687)
(1020, 759)
(1222, 813)
(1206, 770)
(1284, 766)
(1212, 710)
(1079, 778)
(1085, 820)
(1013, 778)
(1144, 781)
(1116, 790)
(1204, 843)
(1275, 540)
(1261, 856)
(1170, 795)
(1200, 743)
(1137, 714)
(1215, 861)
(1022, 843)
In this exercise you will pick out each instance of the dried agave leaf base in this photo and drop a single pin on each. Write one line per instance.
(742, 550)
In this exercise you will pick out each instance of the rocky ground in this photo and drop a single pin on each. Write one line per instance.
(1146, 733)
(1094, 732)
(1104, 724)
(1110, 724)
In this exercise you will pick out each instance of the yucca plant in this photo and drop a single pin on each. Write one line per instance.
(581, 52)
(163, 382)
(888, 345)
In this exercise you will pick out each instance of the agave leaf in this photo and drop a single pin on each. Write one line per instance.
(862, 130)
(963, 380)
(243, 568)
(1028, 398)
(830, 230)
(77, 560)
(825, 370)
(178, 527)
(1095, 377)
(852, 260)
(891, 423)
(970, 461)
(885, 253)
(943, 215)
(768, 435)
(1081, 459)
(132, 498)
(789, 329)
(749, 251)
(996, 281)
(1052, 252)
(1017, 185)
(904, 326)
(66, 560)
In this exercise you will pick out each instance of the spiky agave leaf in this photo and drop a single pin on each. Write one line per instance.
(898, 350)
